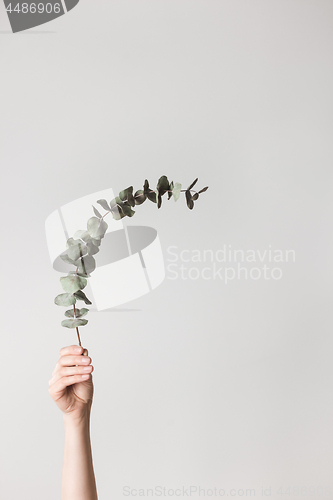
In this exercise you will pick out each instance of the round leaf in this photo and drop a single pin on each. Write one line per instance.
(81, 296)
(151, 195)
(170, 190)
(117, 212)
(78, 312)
(86, 264)
(66, 259)
(189, 200)
(81, 312)
(82, 234)
(104, 204)
(92, 249)
(74, 323)
(163, 185)
(158, 198)
(69, 313)
(96, 227)
(127, 195)
(127, 209)
(176, 191)
(65, 299)
(76, 251)
(139, 197)
(73, 283)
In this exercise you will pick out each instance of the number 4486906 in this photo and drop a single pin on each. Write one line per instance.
(32, 8)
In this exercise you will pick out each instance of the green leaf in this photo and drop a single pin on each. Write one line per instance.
(86, 264)
(176, 191)
(96, 212)
(79, 313)
(139, 197)
(81, 234)
(158, 198)
(195, 196)
(189, 200)
(115, 202)
(163, 185)
(66, 259)
(96, 241)
(76, 251)
(151, 195)
(92, 248)
(65, 299)
(72, 283)
(193, 183)
(117, 213)
(96, 227)
(126, 208)
(127, 195)
(81, 296)
(70, 242)
(146, 188)
(74, 323)
(203, 190)
(170, 190)
(69, 313)
(104, 204)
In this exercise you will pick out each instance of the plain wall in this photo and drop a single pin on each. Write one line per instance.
(200, 382)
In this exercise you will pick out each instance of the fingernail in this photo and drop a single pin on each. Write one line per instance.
(78, 349)
(85, 376)
(87, 368)
(85, 360)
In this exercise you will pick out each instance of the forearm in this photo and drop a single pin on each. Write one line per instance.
(78, 479)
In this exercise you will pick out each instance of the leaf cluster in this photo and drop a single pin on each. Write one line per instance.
(81, 248)
(123, 204)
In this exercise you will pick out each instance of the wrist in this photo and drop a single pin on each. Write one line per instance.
(77, 418)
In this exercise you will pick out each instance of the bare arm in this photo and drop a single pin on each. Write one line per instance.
(71, 388)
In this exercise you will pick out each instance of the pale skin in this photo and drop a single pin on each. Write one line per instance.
(71, 387)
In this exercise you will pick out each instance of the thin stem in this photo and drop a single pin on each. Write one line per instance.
(77, 328)
(78, 336)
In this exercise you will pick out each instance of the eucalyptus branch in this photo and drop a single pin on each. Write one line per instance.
(85, 243)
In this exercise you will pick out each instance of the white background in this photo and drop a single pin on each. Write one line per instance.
(199, 382)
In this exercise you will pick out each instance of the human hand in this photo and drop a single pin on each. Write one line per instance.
(71, 385)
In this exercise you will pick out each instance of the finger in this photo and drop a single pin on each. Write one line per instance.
(68, 371)
(63, 382)
(71, 349)
(74, 360)
(71, 361)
